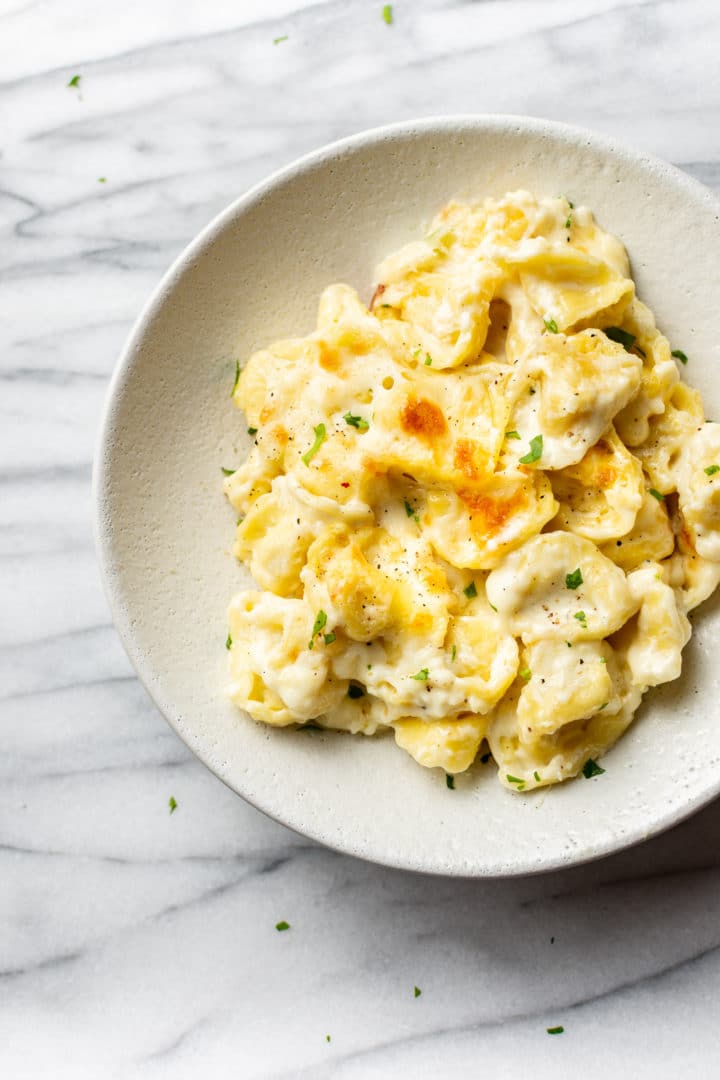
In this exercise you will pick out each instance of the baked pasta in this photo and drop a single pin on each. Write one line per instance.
(478, 509)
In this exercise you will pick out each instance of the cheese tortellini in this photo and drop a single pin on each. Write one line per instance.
(478, 509)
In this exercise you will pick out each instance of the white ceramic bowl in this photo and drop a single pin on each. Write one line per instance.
(165, 530)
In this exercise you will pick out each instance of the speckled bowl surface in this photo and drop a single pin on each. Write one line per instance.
(165, 531)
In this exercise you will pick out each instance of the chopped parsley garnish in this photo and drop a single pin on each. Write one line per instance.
(327, 1038)
(656, 495)
(252, 431)
(551, 325)
(492, 606)
(536, 774)
(282, 925)
(712, 469)
(470, 590)
(172, 804)
(355, 691)
(555, 1031)
(581, 618)
(417, 353)
(512, 434)
(278, 40)
(450, 781)
(568, 223)
(570, 204)
(387, 14)
(453, 654)
(417, 991)
(355, 421)
(679, 355)
(603, 660)
(513, 779)
(536, 449)
(485, 758)
(318, 625)
(591, 768)
(329, 638)
(574, 580)
(428, 360)
(228, 472)
(622, 337)
(422, 675)
(410, 511)
(603, 706)
(526, 674)
(228, 641)
(75, 81)
(320, 437)
(102, 179)
(237, 378)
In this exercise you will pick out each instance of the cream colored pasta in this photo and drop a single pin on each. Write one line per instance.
(479, 508)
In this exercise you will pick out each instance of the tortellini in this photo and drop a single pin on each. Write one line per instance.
(479, 507)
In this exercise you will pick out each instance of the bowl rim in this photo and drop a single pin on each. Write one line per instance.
(122, 372)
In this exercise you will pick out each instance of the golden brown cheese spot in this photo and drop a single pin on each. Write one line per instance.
(423, 419)
(421, 623)
(434, 579)
(328, 358)
(267, 413)
(607, 476)
(470, 459)
(488, 515)
(279, 435)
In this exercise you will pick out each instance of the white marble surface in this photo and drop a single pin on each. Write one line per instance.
(134, 943)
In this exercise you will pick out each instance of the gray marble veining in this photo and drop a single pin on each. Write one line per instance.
(139, 943)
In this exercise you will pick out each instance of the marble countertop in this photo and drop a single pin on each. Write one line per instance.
(139, 943)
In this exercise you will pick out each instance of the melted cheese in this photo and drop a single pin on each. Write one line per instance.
(478, 507)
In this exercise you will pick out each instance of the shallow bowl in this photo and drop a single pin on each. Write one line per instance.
(164, 529)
